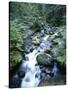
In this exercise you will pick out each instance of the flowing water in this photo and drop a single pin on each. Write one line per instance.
(32, 69)
(29, 73)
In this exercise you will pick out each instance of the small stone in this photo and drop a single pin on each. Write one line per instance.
(35, 40)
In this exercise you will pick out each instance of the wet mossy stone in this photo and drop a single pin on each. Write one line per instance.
(62, 59)
(58, 51)
(60, 42)
(44, 59)
(63, 31)
(41, 59)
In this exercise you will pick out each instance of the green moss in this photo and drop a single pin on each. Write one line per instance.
(16, 42)
(61, 59)
(56, 40)
(15, 58)
(36, 26)
(41, 59)
(62, 30)
(58, 51)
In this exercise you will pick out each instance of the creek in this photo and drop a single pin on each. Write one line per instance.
(31, 67)
(32, 74)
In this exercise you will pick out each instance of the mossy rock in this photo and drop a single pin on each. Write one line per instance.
(15, 58)
(58, 51)
(62, 45)
(63, 33)
(43, 59)
(61, 59)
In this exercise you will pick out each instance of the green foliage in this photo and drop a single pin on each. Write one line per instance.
(53, 14)
(16, 42)
(36, 26)
(15, 58)
(56, 15)
(16, 37)
(18, 10)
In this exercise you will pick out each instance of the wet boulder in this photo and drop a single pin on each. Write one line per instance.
(44, 59)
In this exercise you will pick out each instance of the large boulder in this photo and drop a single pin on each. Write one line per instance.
(44, 59)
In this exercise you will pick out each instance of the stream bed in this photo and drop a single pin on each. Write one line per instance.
(32, 74)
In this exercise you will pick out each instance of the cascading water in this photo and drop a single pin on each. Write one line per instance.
(32, 75)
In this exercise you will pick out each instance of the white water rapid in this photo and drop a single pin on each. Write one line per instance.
(32, 75)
